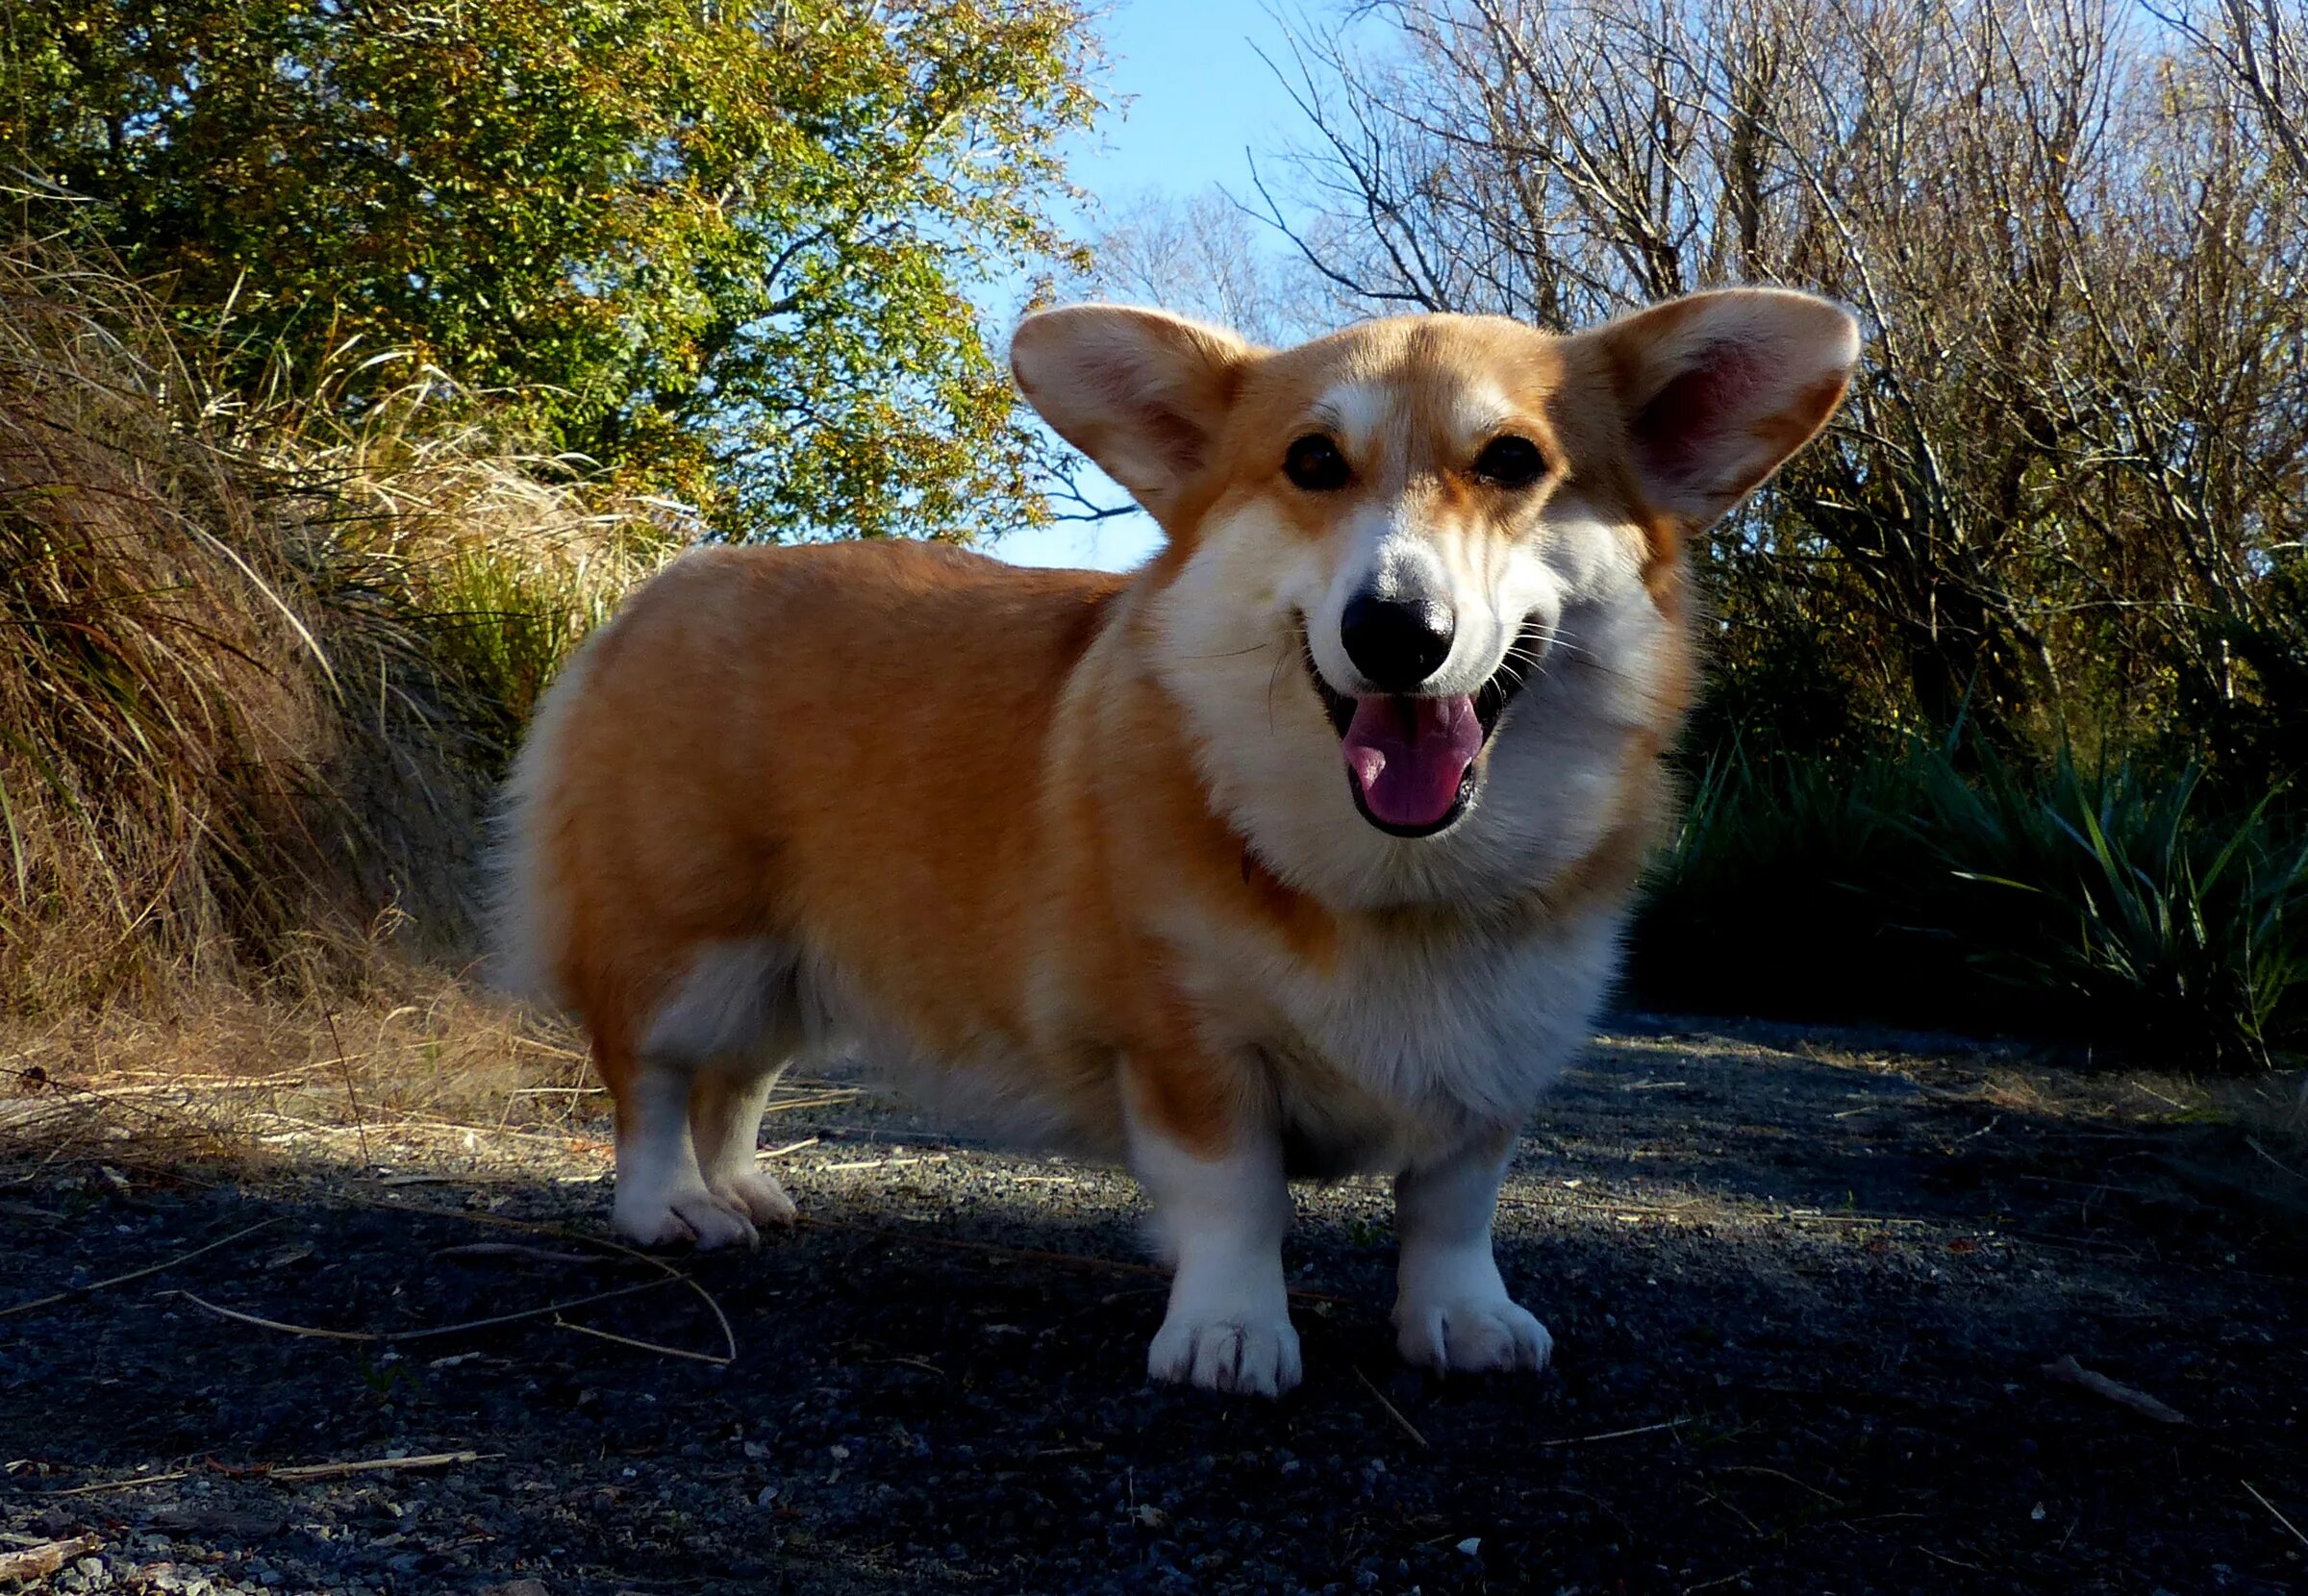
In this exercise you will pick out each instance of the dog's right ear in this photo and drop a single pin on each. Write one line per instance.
(1141, 392)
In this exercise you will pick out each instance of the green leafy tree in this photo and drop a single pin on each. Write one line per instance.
(726, 250)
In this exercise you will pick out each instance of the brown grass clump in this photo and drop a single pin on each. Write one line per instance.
(262, 664)
(432, 1076)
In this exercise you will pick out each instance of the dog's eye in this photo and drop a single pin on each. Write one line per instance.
(1313, 463)
(1510, 461)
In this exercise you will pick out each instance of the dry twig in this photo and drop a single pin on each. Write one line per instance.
(1395, 1414)
(133, 1275)
(431, 1333)
(515, 1250)
(2067, 1369)
(103, 1485)
(1614, 1434)
(297, 1474)
(2273, 1509)
(38, 1562)
(729, 1336)
(712, 1357)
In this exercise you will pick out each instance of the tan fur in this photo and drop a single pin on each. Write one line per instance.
(977, 803)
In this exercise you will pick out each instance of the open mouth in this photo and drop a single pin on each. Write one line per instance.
(1411, 756)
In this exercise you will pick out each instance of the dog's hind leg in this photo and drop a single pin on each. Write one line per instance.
(690, 1098)
(725, 1122)
(661, 1196)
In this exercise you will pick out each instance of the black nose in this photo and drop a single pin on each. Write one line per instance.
(1395, 643)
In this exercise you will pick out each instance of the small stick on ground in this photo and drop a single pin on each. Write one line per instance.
(2067, 1369)
(824, 1101)
(1393, 1413)
(299, 1472)
(666, 1271)
(714, 1357)
(518, 1250)
(260, 1323)
(427, 1332)
(1614, 1434)
(2254, 1145)
(2271, 1508)
(38, 1562)
(133, 1275)
(103, 1485)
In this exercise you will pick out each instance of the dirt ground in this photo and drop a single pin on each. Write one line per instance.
(1804, 1288)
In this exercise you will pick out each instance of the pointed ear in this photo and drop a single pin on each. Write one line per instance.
(1719, 388)
(1141, 392)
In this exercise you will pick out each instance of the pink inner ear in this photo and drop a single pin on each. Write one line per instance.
(1678, 435)
(1182, 443)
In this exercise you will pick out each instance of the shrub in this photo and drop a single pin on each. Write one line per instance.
(260, 665)
(2125, 907)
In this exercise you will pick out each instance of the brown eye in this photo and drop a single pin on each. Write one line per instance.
(1313, 464)
(1510, 461)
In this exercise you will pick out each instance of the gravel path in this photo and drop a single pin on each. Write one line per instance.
(1803, 1293)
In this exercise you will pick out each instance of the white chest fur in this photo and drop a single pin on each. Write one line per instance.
(1409, 1039)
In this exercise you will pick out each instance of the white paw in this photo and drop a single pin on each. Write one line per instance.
(669, 1218)
(1473, 1335)
(1254, 1357)
(756, 1193)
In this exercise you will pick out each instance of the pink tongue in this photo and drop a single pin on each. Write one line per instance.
(1407, 756)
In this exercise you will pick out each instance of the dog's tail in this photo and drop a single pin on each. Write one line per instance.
(528, 892)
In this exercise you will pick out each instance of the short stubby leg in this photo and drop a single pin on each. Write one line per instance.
(1451, 1309)
(662, 1198)
(1219, 1211)
(725, 1121)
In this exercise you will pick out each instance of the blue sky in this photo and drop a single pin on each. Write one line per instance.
(1190, 95)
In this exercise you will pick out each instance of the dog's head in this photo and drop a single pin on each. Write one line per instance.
(1424, 597)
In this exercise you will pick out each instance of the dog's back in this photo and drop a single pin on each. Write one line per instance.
(837, 735)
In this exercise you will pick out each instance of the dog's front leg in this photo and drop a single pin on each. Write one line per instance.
(1451, 1309)
(1220, 1209)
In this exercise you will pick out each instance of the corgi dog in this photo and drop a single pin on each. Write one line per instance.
(1304, 850)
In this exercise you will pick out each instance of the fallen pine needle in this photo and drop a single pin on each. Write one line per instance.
(133, 1275)
(521, 1252)
(294, 1473)
(714, 1357)
(496, 1221)
(2067, 1369)
(298, 1473)
(119, 1484)
(792, 1147)
(1614, 1434)
(2271, 1508)
(430, 1331)
(275, 1324)
(827, 1101)
(2255, 1146)
(1393, 1413)
(38, 1562)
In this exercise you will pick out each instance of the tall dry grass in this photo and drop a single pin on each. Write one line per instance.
(264, 659)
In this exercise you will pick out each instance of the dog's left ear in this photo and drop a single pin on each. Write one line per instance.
(1141, 392)
(1719, 388)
